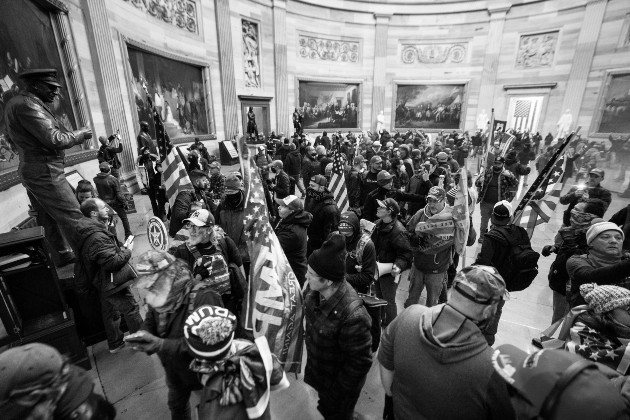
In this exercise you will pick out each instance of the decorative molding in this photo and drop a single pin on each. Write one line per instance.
(251, 53)
(537, 50)
(317, 48)
(179, 13)
(254, 98)
(550, 85)
(435, 53)
(624, 35)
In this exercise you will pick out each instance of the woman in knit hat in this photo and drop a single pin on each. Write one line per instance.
(338, 339)
(604, 263)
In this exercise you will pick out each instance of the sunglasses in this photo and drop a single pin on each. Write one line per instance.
(195, 228)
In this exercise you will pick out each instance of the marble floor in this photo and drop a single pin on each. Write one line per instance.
(134, 382)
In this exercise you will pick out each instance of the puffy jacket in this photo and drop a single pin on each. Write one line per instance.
(309, 168)
(291, 233)
(325, 220)
(282, 185)
(34, 129)
(108, 188)
(392, 244)
(293, 163)
(100, 254)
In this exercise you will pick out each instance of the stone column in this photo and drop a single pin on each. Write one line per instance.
(583, 57)
(491, 58)
(283, 120)
(108, 83)
(226, 65)
(380, 68)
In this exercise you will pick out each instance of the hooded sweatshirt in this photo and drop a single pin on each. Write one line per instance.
(442, 367)
(291, 233)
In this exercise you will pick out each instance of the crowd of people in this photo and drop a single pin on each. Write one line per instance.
(435, 357)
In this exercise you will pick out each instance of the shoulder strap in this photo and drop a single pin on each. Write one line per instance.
(351, 308)
(549, 404)
(360, 247)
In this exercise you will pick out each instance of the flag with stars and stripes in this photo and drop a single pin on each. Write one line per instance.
(175, 177)
(337, 185)
(598, 347)
(460, 211)
(544, 200)
(274, 302)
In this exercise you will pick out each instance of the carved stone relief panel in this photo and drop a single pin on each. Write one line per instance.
(537, 50)
(180, 13)
(327, 49)
(436, 53)
(251, 53)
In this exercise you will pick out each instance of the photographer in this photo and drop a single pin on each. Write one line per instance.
(109, 191)
(107, 153)
(582, 192)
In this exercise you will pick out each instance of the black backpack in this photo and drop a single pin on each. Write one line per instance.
(520, 268)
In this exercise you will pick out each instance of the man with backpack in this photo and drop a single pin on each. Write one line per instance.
(107, 153)
(507, 248)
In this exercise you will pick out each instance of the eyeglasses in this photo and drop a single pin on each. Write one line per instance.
(195, 228)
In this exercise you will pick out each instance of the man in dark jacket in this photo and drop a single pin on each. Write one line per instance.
(496, 184)
(293, 168)
(355, 182)
(108, 188)
(321, 204)
(229, 215)
(188, 201)
(310, 165)
(108, 153)
(370, 181)
(100, 256)
(291, 232)
(171, 297)
(592, 190)
(338, 340)
(282, 183)
(392, 247)
(361, 256)
(41, 140)
(419, 185)
(384, 190)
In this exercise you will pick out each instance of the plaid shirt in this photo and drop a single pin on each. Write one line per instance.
(338, 344)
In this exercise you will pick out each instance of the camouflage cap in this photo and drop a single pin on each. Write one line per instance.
(152, 262)
(480, 283)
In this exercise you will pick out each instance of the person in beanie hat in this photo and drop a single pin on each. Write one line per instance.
(234, 373)
(37, 383)
(291, 232)
(440, 352)
(604, 263)
(554, 385)
(171, 296)
(338, 339)
(321, 204)
(605, 298)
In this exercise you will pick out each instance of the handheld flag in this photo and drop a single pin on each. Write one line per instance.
(337, 184)
(461, 212)
(175, 177)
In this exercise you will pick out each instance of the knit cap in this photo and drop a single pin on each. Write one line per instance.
(596, 229)
(383, 178)
(442, 157)
(209, 331)
(605, 298)
(233, 183)
(329, 261)
(319, 179)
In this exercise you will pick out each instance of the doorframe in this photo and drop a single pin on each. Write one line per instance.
(528, 90)
(256, 101)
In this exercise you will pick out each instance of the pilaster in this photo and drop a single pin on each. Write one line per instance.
(283, 123)
(380, 66)
(226, 65)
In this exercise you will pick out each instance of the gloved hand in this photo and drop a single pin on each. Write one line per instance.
(547, 250)
(145, 341)
(388, 410)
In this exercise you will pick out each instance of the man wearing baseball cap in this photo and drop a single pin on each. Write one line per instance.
(436, 364)
(321, 204)
(592, 190)
(41, 139)
(385, 189)
(370, 181)
(291, 232)
(556, 385)
(495, 185)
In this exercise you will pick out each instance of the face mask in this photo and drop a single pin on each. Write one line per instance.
(314, 194)
(234, 200)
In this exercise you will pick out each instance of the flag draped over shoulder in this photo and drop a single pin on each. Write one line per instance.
(274, 307)
(175, 177)
(544, 201)
(506, 143)
(461, 213)
(337, 184)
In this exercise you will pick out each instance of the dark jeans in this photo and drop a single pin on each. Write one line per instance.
(178, 401)
(492, 327)
(385, 288)
(56, 206)
(435, 283)
(115, 172)
(123, 302)
(158, 201)
(451, 272)
(120, 211)
(337, 410)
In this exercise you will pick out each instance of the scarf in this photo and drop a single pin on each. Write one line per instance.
(315, 195)
(581, 221)
(234, 200)
(601, 260)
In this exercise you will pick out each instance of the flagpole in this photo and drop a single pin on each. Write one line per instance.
(490, 141)
(468, 215)
(544, 174)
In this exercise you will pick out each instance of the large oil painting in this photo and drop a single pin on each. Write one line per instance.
(326, 105)
(176, 90)
(27, 41)
(615, 105)
(429, 106)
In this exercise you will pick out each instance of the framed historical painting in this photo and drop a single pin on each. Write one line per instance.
(430, 106)
(329, 105)
(176, 87)
(30, 33)
(612, 115)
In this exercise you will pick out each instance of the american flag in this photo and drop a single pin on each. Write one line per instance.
(544, 200)
(338, 184)
(274, 302)
(595, 346)
(461, 213)
(175, 177)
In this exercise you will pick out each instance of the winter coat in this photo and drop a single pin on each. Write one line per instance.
(281, 188)
(231, 221)
(181, 210)
(495, 250)
(354, 184)
(572, 199)
(326, 216)
(391, 244)
(583, 269)
(108, 188)
(360, 278)
(370, 205)
(99, 255)
(293, 164)
(109, 154)
(291, 232)
(433, 249)
(338, 343)
(419, 187)
(309, 169)
(507, 182)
